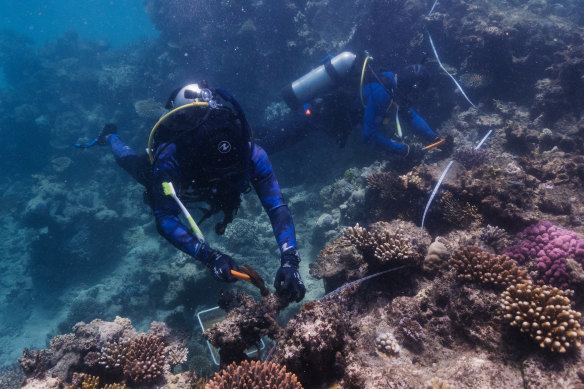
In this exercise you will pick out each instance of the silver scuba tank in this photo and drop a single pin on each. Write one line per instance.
(318, 80)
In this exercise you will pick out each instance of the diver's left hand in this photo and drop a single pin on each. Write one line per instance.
(288, 283)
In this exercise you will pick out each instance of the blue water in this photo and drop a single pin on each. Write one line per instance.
(116, 22)
(78, 243)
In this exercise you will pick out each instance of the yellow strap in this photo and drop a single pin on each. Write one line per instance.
(362, 77)
(397, 125)
(151, 137)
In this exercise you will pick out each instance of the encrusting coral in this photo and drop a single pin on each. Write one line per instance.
(473, 264)
(435, 258)
(545, 313)
(387, 343)
(254, 375)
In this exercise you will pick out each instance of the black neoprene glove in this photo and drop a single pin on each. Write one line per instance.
(288, 283)
(415, 153)
(219, 263)
(108, 129)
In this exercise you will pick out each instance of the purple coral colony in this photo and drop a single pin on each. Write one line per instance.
(487, 292)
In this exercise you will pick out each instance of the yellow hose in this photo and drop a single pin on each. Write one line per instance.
(362, 77)
(151, 137)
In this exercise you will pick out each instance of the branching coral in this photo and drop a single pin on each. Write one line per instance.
(545, 314)
(386, 184)
(254, 375)
(457, 211)
(437, 383)
(495, 237)
(145, 359)
(176, 355)
(471, 157)
(473, 264)
(113, 354)
(381, 248)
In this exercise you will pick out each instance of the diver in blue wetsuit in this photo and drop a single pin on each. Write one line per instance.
(380, 97)
(207, 152)
(326, 100)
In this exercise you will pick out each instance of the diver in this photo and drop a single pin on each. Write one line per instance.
(327, 99)
(205, 149)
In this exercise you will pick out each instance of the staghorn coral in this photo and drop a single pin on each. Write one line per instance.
(495, 237)
(145, 359)
(387, 343)
(254, 375)
(473, 264)
(114, 386)
(545, 314)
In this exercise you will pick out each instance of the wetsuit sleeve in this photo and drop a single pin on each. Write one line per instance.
(420, 126)
(267, 188)
(378, 101)
(119, 148)
(166, 210)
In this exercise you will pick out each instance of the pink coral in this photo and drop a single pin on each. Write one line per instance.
(546, 247)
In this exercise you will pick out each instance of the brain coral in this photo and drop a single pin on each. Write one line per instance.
(473, 264)
(544, 313)
(254, 375)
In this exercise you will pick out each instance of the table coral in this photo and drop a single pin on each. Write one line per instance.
(545, 314)
(473, 264)
(545, 247)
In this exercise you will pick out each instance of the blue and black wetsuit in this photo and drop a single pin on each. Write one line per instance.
(340, 110)
(378, 102)
(169, 166)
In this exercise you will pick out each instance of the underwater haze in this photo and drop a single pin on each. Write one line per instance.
(445, 219)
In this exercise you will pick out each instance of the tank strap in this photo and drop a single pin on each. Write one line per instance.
(332, 72)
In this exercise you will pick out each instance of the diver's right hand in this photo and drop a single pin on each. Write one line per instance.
(221, 266)
(415, 153)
